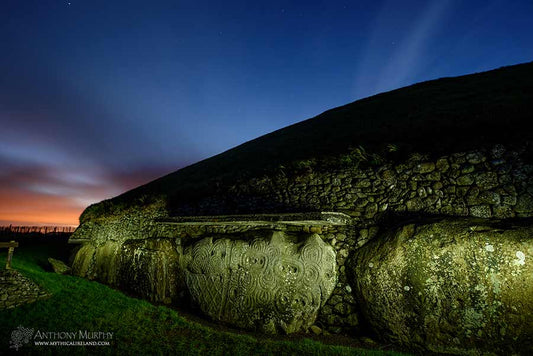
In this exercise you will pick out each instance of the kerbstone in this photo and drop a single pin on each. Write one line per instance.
(453, 285)
(270, 284)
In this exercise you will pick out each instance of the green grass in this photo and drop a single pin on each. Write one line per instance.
(139, 327)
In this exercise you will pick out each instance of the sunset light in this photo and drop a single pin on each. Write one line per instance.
(96, 99)
(266, 177)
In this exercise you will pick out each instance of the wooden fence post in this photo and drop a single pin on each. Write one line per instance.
(10, 256)
(10, 248)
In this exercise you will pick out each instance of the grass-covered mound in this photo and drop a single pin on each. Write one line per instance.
(138, 327)
(435, 117)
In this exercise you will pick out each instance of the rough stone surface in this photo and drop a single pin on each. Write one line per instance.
(98, 260)
(59, 266)
(452, 286)
(316, 330)
(492, 183)
(271, 285)
(151, 268)
(447, 185)
(16, 289)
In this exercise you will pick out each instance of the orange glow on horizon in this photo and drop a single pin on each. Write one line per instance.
(44, 219)
(35, 197)
(34, 209)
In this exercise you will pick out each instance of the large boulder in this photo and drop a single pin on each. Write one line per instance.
(452, 285)
(151, 268)
(146, 267)
(271, 284)
(98, 260)
(58, 266)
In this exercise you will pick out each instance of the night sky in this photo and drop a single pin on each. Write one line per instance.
(97, 97)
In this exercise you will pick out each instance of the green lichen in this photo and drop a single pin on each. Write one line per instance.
(272, 285)
(451, 286)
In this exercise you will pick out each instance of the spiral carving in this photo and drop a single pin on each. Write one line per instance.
(244, 282)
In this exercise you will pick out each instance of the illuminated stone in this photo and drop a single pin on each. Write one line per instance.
(271, 284)
(466, 280)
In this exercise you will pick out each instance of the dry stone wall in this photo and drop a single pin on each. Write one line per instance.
(16, 289)
(485, 183)
(491, 183)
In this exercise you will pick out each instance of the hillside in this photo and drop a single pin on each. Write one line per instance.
(422, 196)
(434, 117)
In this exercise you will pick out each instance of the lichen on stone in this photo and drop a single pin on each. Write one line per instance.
(466, 283)
(272, 285)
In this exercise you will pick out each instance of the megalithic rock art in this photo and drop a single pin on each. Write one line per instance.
(265, 284)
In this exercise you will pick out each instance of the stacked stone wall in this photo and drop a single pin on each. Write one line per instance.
(492, 183)
(16, 290)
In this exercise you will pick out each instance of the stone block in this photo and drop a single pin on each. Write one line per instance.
(270, 284)
(455, 287)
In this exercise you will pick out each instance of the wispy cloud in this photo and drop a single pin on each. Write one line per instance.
(44, 194)
(48, 175)
(397, 46)
(406, 61)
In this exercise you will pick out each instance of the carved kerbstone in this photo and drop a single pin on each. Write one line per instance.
(265, 284)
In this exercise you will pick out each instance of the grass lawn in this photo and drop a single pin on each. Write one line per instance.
(138, 327)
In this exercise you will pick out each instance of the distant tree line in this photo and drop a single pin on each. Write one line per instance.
(43, 230)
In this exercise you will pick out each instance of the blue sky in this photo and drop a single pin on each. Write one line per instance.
(97, 97)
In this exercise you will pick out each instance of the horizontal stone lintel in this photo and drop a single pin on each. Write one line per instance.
(298, 219)
(241, 226)
(311, 222)
(78, 241)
